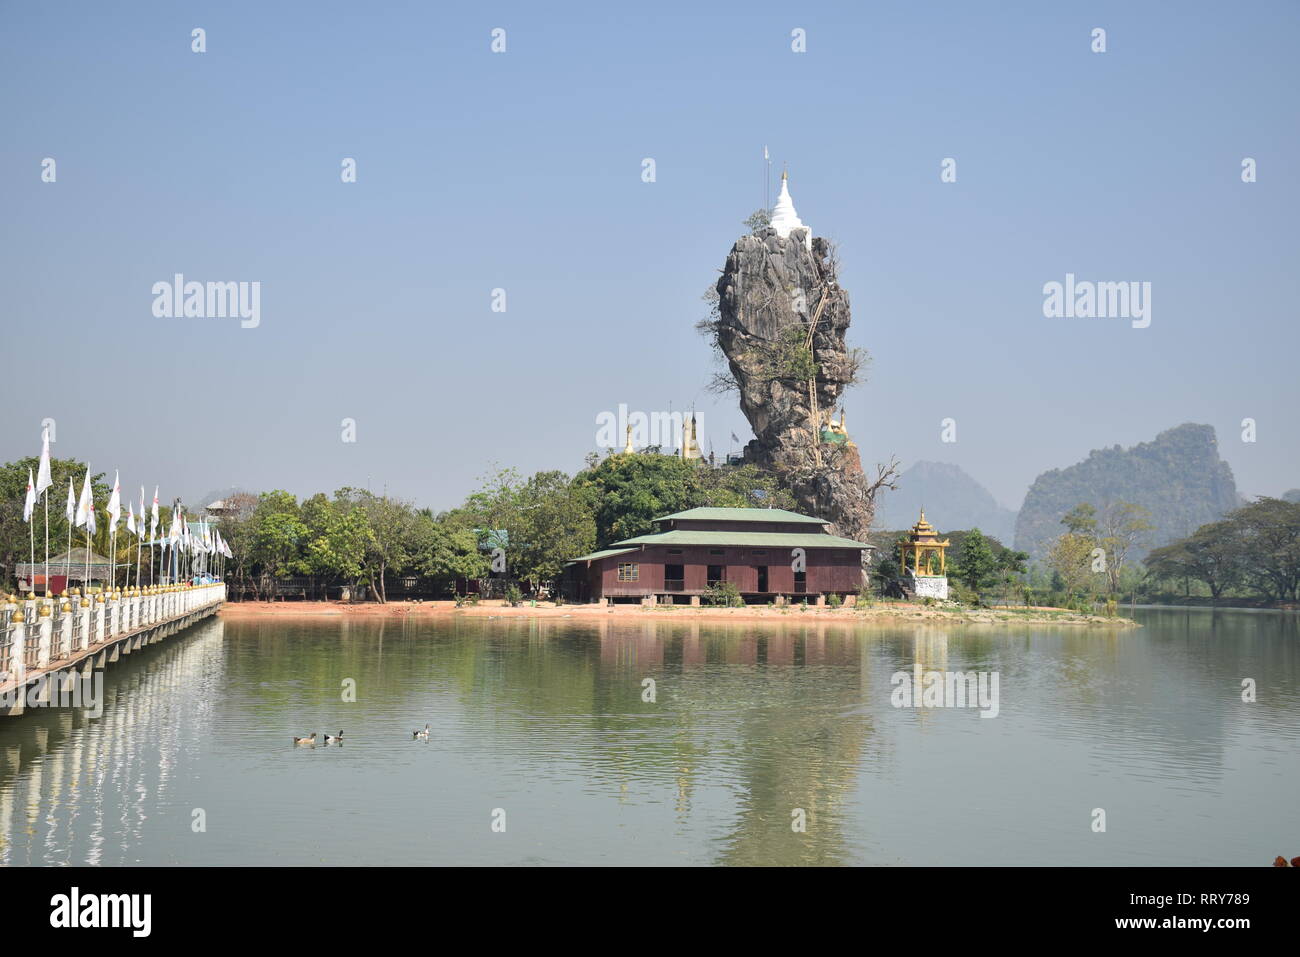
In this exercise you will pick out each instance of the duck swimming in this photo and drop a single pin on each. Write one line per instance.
(334, 738)
(308, 740)
(423, 735)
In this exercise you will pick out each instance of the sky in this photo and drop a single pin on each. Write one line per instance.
(522, 171)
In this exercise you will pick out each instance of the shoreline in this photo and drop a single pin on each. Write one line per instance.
(496, 608)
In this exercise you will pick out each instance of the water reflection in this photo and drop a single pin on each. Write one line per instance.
(69, 781)
(749, 723)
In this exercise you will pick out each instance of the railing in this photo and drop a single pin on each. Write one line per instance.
(78, 641)
(32, 647)
(117, 617)
(6, 650)
(57, 652)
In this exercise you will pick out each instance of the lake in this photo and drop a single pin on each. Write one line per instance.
(763, 744)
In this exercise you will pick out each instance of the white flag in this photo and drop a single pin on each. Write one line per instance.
(86, 504)
(29, 505)
(43, 480)
(141, 532)
(174, 535)
(130, 518)
(115, 502)
(72, 502)
(153, 515)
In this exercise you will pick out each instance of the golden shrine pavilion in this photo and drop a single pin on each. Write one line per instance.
(922, 546)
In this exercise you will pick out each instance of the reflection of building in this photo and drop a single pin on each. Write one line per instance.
(925, 566)
(764, 552)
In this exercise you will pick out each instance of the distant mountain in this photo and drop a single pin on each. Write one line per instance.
(1291, 496)
(218, 495)
(1178, 476)
(952, 499)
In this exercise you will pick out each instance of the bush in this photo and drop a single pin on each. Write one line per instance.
(725, 594)
(835, 601)
(513, 596)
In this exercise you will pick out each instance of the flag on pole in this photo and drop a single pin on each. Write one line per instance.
(115, 503)
(86, 506)
(141, 511)
(174, 535)
(72, 502)
(29, 505)
(153, 515)
(130, 519)
(43, 479)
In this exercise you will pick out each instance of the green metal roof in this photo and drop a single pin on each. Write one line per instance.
(598, 555)
(682, 536)
(745, 515)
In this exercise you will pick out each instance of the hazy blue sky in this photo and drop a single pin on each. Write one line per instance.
(522, 171)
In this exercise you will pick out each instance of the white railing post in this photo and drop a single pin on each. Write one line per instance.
(65, 622)
(83, 609)
(46, 624)
(17, 645)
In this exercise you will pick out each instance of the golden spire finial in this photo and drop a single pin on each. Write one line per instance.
(785, 173)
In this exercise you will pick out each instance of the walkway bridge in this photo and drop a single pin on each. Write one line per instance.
(48, 644)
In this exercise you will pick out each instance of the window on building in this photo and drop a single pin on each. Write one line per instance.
(716, 575)
(717, 551)
(759, 551)
(629, 572)
(674, 551)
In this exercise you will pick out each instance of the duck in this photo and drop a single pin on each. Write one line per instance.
(308, 740)
(334, 738)
(424, 735)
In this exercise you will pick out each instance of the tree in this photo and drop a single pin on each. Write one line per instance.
(452, 551)
(626, 492)
(277, 536)
(15, 534)
(1212, 554)
(391, 542)
(1081, 520)
(977, 567)
(1122, 526)
(1269, 530)
(238, 529)
(555, 523)
(339, 538)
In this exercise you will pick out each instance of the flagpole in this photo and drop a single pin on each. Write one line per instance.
(47, 543)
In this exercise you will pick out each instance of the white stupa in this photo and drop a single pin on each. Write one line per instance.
(785, 219)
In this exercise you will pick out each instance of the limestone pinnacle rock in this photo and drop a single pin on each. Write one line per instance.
(772, 292)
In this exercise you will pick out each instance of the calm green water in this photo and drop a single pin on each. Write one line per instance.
(545, 721)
